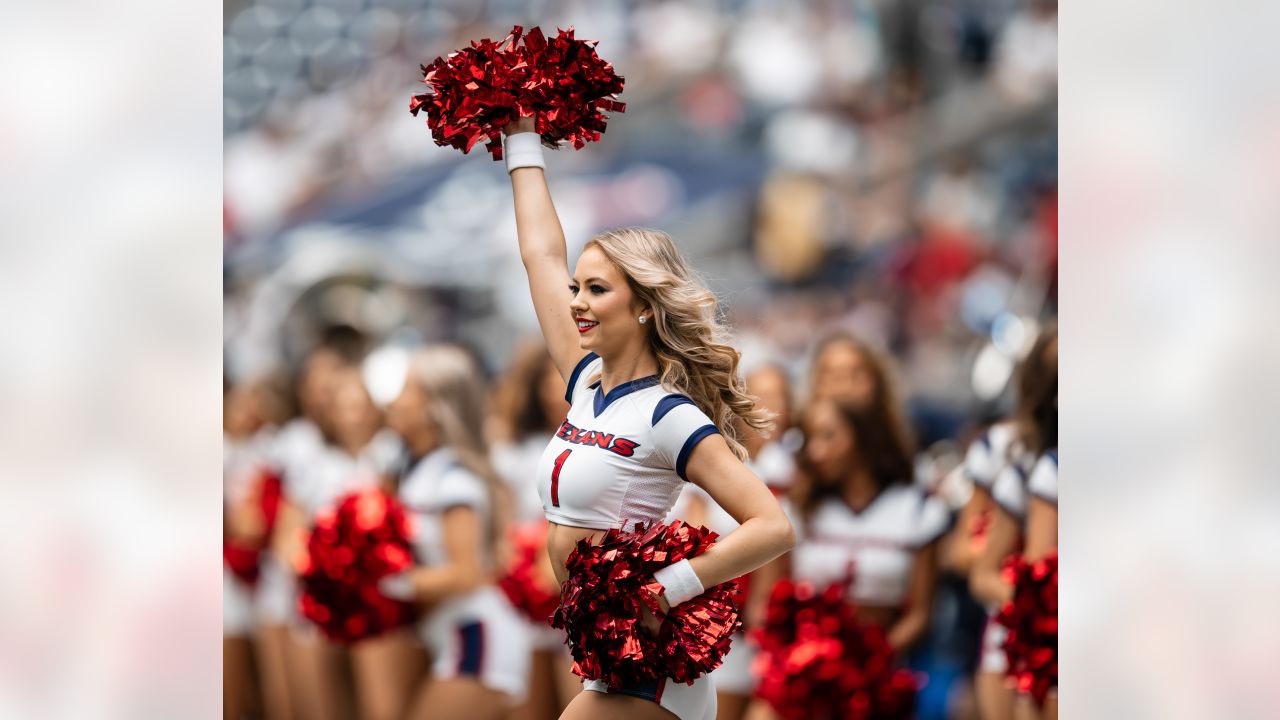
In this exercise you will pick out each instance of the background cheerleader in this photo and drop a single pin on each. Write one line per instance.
(860, 520)
(530, 407)
(1031, 432)
(362, 455)
(478, 645)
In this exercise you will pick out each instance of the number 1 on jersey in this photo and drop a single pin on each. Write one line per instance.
(555, 477)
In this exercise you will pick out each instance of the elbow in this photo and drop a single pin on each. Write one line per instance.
(785, 536)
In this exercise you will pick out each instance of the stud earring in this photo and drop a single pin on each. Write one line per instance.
(643, 319)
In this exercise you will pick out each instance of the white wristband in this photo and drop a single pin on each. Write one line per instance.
(523, 150)
(397, 587)
(679, 582)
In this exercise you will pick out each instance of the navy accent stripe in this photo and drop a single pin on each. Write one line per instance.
(666, 405)
(689, 444)
(650, 690)
(985, 439)
(1053, 455)
(626, 388)
(577, 370)
(471, 649)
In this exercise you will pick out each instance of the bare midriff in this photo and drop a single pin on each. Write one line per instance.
(561, 541)
(882, 616)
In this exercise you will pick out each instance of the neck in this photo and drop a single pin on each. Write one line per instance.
(860, 489)
(421, 445)
(627, 366)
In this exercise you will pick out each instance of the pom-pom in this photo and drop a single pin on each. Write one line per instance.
(1031, 645)
(479, 89)
(528, 589)
(817, 661)
(601, 605)
(350, 548)
(242, 555)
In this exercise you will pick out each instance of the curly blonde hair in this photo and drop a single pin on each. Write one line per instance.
(688, 339)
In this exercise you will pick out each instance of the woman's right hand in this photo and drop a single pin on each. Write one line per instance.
(523, 124)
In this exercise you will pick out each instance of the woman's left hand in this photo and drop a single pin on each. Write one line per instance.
(649, 621)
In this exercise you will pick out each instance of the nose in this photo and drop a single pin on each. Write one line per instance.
(577, 304)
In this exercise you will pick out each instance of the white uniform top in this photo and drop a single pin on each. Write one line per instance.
(877, 544)
(1043, 482)
(993, 451)
(619, 458)
(433, 485)
(517, 465)
(322, 479)
(242, 464)
(772, 464)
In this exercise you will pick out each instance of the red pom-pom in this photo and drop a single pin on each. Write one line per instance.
(479, 89)
(602, 600)
(525, 586)
(243, 557)
(350, 548)
(1031, 645)
(818, 661)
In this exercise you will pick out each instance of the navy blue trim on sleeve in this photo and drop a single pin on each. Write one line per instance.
(666, 405)
(683, 459)
(573, 376)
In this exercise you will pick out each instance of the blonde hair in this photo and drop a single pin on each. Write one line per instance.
(456, 405)
(689, 341)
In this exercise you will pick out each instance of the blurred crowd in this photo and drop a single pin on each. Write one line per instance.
(870, 186)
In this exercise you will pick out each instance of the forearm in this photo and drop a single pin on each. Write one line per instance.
(754, 544)
(537, 226)
(907, 631)
(432, 584)
(988, 586)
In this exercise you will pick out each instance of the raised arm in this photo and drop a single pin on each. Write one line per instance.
(545, 258)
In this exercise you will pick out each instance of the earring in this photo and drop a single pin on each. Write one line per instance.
(643, 319)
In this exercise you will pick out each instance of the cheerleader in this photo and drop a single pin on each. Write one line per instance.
(362, 455)
(860, 519)
(773, 464)
(478, 645)
(653, 393)
(531, 406)
(243, 456)
(1008, 454)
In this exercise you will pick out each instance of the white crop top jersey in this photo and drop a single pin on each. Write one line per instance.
(1043, 482)
(324, 478)
(618, 458)
(1010, 491)
(993, 451)
(877, 545)
(431, 486)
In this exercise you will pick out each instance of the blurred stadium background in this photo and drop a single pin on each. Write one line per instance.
(883, 167)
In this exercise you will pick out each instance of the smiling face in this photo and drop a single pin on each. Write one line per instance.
(830, 445)
(604, 307)
(842, 372)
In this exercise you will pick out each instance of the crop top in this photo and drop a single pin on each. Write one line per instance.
(618, 458)
(1043, 482)
(876, 546)
(992, 453)
(429, 487)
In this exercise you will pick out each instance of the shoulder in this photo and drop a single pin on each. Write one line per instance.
(589, 365)
(1043, 482)
(925, 516)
